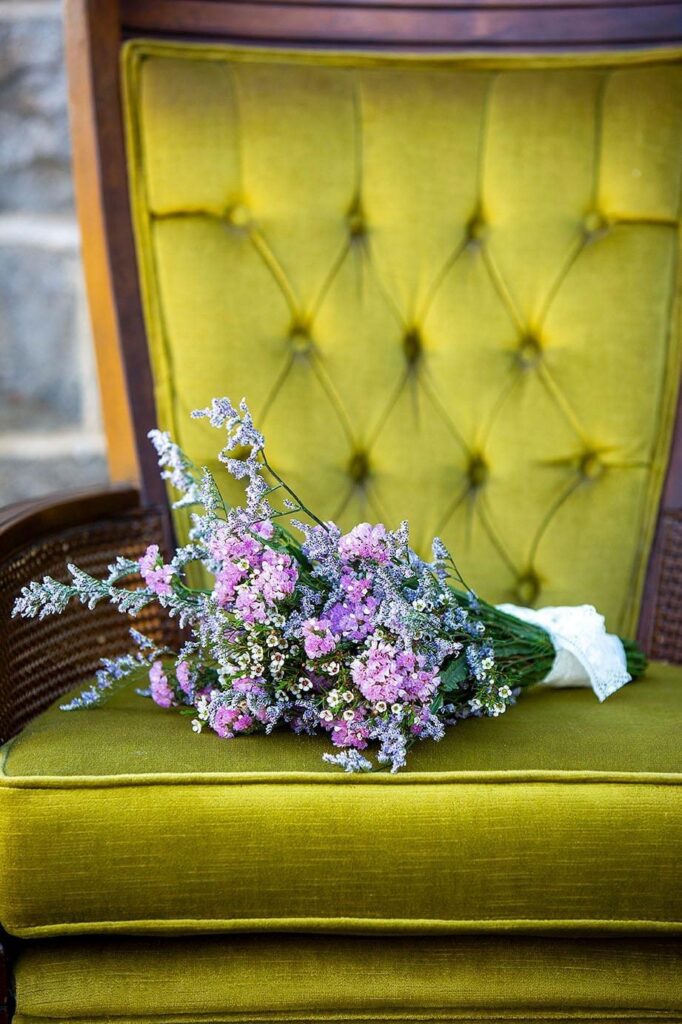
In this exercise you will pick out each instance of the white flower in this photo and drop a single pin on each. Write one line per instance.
(349, 715)
(326, 716)
(347, 695)
(396, 708)
(197, 726)
(333, 697)
(419, 604)
(333, 668)
(504, 691)
(272, 640)
(380, 706)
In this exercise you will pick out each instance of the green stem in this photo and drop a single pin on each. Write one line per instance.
(285, 485)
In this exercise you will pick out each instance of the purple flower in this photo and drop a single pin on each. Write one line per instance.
(159, 687)
(318, 638)
(228, 721)
(156, 575)
(184, 677)
(365, 541)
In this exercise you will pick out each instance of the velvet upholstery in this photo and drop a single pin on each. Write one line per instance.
(562, 816)
(252, 979)
(448, 287)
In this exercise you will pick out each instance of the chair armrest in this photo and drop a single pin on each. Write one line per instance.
(40, 660)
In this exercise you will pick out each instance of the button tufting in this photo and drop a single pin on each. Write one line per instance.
(358, 467)
(239, 215)
(299, 337)
(477, 472)
(527, 588)
(357, 227)
(412, 345)
(477, 229)
(594, 223)
(529, 352)
(591, 467)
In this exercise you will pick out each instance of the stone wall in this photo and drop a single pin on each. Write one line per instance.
(50, 430)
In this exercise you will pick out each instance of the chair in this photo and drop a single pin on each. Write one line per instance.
(436, 245)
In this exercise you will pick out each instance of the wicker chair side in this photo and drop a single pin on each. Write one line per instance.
(40, 660)
(666, 634)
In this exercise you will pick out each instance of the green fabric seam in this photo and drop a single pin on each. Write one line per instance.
(400, 1017)
(434, 926)
(555, 1016)
(511, 777)
(354, 57)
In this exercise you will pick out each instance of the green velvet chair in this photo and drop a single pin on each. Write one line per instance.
(440, 256)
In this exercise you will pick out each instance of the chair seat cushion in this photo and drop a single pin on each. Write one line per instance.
(303, 978)
(562, 816)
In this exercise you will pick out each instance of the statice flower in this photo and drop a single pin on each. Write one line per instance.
(301, 626)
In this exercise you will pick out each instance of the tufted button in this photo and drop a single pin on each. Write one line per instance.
(529, 352)
(358, 467)
(357, 226)
(241, 452)
(477, 229)
(527, 588)
(299, 338)
(412, 345)
(477, 471)
(594, 223)
(590, 466)
(239, 215)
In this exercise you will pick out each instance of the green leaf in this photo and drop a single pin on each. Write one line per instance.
(454, 674)
(437, 703)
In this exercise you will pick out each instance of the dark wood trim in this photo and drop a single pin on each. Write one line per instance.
(93, 40)
(398, 24)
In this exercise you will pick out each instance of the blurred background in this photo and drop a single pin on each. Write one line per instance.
(50, 431)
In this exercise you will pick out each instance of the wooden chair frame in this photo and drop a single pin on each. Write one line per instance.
(35, 533)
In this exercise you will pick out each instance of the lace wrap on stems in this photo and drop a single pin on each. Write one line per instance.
(586, 655)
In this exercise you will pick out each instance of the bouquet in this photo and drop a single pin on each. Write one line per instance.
(303, 626)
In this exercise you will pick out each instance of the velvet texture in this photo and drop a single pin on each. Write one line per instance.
(447, 287)
(562, 816)
(333, 978)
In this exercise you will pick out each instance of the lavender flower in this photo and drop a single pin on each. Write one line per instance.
(351, 635)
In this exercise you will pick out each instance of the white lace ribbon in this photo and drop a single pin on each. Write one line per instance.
(586, 655)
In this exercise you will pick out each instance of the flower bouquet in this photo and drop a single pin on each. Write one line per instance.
(349, 634)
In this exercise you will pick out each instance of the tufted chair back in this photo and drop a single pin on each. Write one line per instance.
(448, 288)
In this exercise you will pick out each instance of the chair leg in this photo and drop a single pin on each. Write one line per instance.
(6, 995)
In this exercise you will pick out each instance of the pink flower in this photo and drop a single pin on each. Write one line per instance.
(245, 684)
(156, 575)
(229, 721)
(184, 676)
(150, 559)
(159, 687)
(250, 606)
(348, 734)
(317, 637)
(365, 541)
(226, 583)
(264, 529)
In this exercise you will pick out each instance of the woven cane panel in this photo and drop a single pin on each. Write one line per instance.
(39, 660)
(667, 636)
